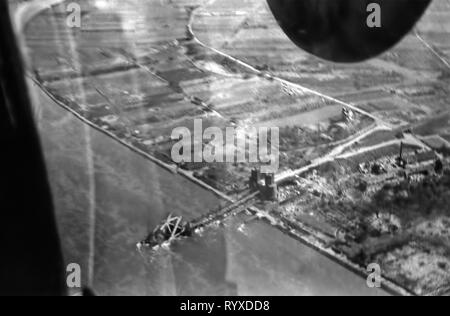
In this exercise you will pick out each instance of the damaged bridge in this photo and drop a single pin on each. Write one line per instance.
(174, 227)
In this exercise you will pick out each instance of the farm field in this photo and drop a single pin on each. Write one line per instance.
(140, 81)
(377, 85)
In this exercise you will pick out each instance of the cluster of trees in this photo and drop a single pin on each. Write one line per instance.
(430, 195)
(406, 201)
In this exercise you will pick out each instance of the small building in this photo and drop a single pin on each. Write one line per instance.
(268, 189)
(348, 115)
(254, 180)
(425, 157)
(401, 161)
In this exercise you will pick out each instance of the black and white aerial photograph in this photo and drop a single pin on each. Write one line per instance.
(225, 153)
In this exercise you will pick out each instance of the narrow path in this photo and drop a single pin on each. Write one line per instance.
(234, 208)
(433, 51)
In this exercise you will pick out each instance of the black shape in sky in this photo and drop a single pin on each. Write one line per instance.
(337, 30)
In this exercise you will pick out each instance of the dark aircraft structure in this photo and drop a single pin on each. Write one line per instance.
(32, 262)
(343, 30)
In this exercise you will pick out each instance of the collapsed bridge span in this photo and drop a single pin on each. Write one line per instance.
(174, 227)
